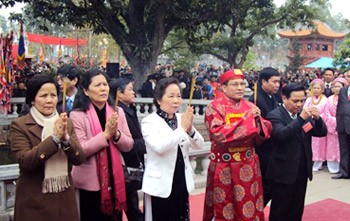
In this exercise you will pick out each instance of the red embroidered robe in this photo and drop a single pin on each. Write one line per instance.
(234, 188)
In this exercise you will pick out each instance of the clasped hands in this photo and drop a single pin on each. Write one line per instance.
(60, 128)
(187, 120)
(111, 128)
(307, 112)
(256, 111)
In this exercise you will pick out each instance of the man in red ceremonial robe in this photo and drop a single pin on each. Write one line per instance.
(234, 188)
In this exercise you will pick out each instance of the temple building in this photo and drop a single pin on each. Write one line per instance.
(314, 43)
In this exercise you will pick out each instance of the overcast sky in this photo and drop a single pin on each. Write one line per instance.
(338, 6)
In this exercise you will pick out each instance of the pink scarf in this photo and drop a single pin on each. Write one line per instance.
(107, 203)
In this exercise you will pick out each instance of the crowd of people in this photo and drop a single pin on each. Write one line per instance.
(79, 131)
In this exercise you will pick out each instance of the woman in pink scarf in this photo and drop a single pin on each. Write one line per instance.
(102, 132)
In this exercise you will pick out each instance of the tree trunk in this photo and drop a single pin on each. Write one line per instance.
(140, 72)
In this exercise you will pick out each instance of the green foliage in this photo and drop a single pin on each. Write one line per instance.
(296, 60)
(249, 63)
(177, 50)
(342, 57)
(138, 27)
(230, 35)
(3, 25)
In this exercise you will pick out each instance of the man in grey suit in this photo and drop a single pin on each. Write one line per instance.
(343, 129)
(291, 160)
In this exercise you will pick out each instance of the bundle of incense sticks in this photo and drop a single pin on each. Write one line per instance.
(255, 93)
(116, 101)
(64, 97)
(193, 80)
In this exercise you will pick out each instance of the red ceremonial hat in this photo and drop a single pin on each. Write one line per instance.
(231, 74)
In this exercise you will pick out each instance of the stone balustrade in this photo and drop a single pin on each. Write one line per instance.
(199, 159)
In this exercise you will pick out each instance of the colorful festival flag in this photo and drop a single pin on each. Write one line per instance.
(21, 49)
(77, 55)
(59, 54)
(6, 73)
(41, 54)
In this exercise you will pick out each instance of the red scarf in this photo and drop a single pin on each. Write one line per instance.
(107, 204)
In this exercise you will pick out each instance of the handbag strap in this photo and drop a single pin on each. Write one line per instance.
(140, 163)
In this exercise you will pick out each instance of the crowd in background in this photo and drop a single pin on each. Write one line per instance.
(206, 85)
(102, 113)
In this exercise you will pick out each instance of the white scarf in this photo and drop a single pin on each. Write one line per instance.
(56, 167)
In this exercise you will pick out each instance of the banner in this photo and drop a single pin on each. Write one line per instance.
(44, 39)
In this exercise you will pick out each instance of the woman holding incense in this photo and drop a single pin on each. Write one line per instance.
(168, 137)
(319, 100)
(45, 146)
(102, 132)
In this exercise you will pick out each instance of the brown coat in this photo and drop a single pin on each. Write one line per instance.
(30, 203)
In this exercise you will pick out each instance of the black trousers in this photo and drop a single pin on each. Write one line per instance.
(344, 145)
(287, 200)
(90, 208)
(133, 212)
(264, 163)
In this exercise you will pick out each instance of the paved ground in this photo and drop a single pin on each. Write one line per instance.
(321, 187)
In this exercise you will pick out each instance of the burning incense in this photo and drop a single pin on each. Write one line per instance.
(255, 93)
(64, 97)
(191, 90)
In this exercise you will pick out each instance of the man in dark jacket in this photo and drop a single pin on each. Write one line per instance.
(291, 160)
(269, 83)
(70, 75)
(343, 129)
(328, 76)
(123, 88)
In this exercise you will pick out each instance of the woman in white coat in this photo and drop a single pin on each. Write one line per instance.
(168, 136)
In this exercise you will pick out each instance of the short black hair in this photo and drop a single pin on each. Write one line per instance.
(267, 73)
(329, 69)
(118, 84)
(289, 88)
(69, 71)
(161, 86)
(34, 85)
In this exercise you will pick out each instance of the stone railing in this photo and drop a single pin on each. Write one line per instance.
(199, 159)
(8, 176)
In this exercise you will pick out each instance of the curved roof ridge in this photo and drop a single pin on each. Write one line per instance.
(320, 27)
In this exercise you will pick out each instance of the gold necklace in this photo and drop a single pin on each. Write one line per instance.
(316, 103)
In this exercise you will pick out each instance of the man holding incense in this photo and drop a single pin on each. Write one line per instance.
(265, 98)
(68, 79)
(234, 189)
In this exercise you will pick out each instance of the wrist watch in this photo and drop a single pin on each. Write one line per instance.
(56, 139)
(65, 144)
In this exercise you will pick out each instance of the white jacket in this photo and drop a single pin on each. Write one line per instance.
(161, 144)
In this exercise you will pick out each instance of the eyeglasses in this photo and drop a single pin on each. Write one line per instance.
(235, 85)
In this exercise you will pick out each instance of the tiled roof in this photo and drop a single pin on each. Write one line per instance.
(321, 28)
